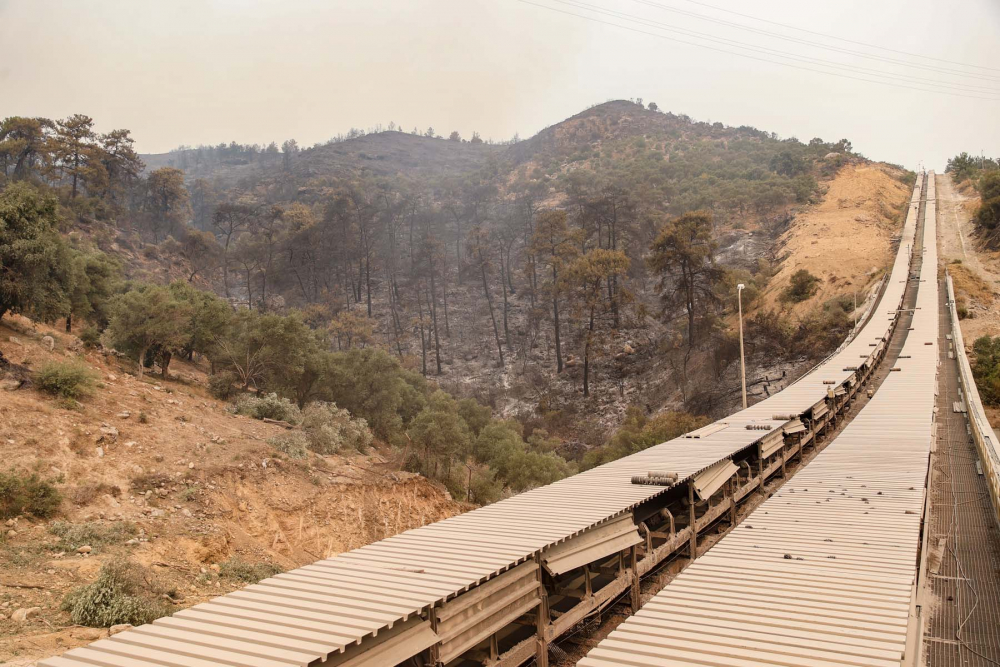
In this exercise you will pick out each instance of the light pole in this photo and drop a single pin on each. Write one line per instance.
(743, 366)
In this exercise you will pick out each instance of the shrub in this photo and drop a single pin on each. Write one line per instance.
(66, 379)
(251, 573)
(27, 494)
(91, 338)
(330, 429)
(222, 385)
(294, 445)
(802, 286)
(986, 368)
(75, 535)
(122, 593)
(269, 406)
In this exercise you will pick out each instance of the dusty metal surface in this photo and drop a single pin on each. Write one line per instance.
(330, 605)
(823, 572)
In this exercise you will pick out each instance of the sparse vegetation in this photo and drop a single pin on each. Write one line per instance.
(986, 368)
(801, 286)
(640, 431)
(29, 494)
(243, 571)
(94, 534)
(268, 406)
(330, 429)
(66, 379)
(122, 593)
(294, 445)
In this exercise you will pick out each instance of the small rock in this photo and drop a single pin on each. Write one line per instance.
(85, 549)
(125, 414)
(121, 627)
(22, 615)
(49, 342)
(12, 533)
(186, 512)
(158, 513)
(191, 465)
(15, 340)
(100, 452)
(112, 377)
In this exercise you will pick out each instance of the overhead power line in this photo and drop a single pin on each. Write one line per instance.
(842, 39)
(814, 44)
(660, 35)
(962, 87)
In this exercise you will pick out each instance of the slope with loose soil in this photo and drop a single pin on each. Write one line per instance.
(157, 471)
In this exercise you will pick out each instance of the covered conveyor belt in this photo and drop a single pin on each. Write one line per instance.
(823, 573)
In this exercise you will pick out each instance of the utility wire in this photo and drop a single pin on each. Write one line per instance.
(736, 53)
(842, 39)
(963, 87)
(814, 44)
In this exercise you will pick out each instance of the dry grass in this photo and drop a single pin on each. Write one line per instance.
(970, 285)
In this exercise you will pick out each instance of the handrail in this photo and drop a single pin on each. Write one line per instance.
(982, 432)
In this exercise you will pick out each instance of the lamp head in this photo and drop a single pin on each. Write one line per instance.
(740, 286)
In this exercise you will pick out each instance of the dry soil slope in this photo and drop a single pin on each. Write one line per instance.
(200, 486)
(845, 240)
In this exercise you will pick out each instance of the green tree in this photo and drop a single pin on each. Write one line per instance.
(166, 202)
(801, 286)
(74, 150)
(32, 255)
(94, 279)
(23, 145)
(371, 383)
(683, 256)
(986, 368)
(148, 317)
(584, 278)
(441, 433)
(211, 319)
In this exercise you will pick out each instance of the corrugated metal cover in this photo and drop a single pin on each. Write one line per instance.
(599, 542)
(705, 431)
(711, 480)
(474, 616)
(795, 426)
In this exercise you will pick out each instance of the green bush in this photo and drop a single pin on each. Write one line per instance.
(250, 573)
(27, 494)
(122, 593)
(330, 429)
(66, 379)
(222, 385)
(269, 406)
(294, 445)
(802, 286)
(91, 338)
(986, 368)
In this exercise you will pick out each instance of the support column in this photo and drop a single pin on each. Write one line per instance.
(693, 548)
(636, 597)
(542, 622)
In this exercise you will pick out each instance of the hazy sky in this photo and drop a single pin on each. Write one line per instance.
(205, 71)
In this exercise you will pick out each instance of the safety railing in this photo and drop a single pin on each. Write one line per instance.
(981, 431)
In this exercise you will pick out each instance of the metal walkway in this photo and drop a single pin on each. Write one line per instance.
(468, 587)
(964, 577)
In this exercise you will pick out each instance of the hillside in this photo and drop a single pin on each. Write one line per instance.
(157, 471)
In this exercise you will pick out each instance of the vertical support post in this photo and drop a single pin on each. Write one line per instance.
(494, 648)
(636, 599)
(435, 650)
(693, 548)
(760, 469)
(733, 486)
(542, 618)
(588, 582)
